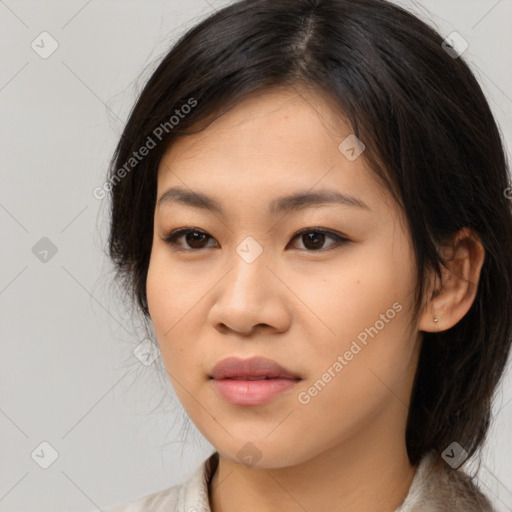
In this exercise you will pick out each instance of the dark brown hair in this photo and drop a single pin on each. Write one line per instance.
(430, 137)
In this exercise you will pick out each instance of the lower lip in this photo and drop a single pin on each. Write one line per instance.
(251, 392)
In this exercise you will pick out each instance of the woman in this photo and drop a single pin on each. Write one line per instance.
(309, 205)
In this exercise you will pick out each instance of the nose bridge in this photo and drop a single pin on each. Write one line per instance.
(250, 295)
(250, 286)
(250, 273)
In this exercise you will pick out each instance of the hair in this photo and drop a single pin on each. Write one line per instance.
(430, 138)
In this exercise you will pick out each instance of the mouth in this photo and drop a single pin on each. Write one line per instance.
(248, 377)
(254, 368)
(253, 381)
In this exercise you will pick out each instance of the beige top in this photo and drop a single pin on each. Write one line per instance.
(435, 488)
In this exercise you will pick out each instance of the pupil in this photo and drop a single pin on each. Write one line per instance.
(192, 238)
(312, 237)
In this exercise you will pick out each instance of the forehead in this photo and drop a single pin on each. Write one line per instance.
(267, 145)
(268, 120)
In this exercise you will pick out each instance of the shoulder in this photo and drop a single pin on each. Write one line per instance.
(437, 488)
(190, 495)
(159, 501)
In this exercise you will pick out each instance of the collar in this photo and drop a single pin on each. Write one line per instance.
(435, 488)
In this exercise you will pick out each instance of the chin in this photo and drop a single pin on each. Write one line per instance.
(260, 452)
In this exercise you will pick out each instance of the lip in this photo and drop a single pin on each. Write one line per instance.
(235, 367)
(235, 379)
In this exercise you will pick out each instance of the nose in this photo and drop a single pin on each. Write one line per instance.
(251, 296)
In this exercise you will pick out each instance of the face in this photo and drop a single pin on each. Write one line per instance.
(323, 288)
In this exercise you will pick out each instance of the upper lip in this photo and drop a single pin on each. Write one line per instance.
(235, 367)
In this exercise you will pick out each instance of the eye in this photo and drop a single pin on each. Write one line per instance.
(193, 236)
(313, 239)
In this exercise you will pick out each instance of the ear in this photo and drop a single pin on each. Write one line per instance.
(453, 297)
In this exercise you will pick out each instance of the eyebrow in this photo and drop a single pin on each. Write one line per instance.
(297, 201)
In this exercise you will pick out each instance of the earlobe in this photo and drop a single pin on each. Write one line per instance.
(453, 297)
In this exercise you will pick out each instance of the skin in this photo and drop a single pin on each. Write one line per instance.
(345, 449)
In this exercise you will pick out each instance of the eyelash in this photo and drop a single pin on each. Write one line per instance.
(178, 233)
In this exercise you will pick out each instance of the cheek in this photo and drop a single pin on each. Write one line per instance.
(350, 294)
(174, 303)
(167, 304)
(171, 292)
(362, 314)
(159, 296)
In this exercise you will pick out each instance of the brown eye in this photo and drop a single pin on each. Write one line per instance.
(194, 238)
(314, 239)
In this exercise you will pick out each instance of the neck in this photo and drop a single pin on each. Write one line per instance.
(368, 472)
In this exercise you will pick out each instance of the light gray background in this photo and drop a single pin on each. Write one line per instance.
(68, 374)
